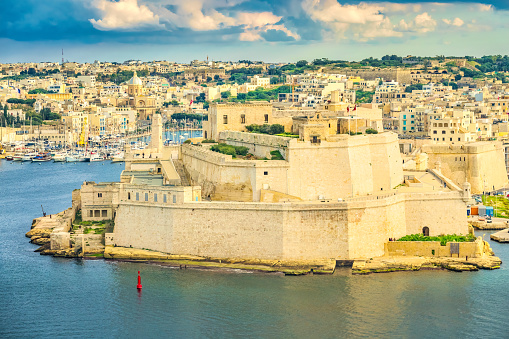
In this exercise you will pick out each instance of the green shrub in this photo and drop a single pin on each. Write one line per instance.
(230, 150)
(276, 155)
(266, 129)
(371, 131)
(444, 239)
(208, 141)
(187, 141)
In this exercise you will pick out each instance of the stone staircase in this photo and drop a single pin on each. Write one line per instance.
(179, 167)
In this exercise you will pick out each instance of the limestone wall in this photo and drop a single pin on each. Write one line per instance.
(348, 166)
(429, 249)
(441, 212)
(480, 163)
(223, 178)
(277, 231)
(259, 144)
(236, 116)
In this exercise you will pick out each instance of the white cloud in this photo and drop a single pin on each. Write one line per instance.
(422, 23)
(456, 22)
(201, 15)
(124, 15)
(483, 8)
(366, 21)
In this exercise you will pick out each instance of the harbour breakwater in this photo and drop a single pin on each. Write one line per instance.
(59, 235)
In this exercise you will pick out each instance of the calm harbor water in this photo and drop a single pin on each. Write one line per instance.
(45, 297)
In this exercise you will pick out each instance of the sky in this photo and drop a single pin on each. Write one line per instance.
(231, 30)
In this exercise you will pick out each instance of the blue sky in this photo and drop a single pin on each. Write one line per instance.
(284, 30)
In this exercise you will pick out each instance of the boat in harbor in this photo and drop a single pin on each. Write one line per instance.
(96, 157)
(59, 157)
(18, 156)
(84, 157)
(72, 158)
(118, 157)
(42, 158)
(28, 156)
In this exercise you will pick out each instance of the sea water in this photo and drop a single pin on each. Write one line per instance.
(47, 297)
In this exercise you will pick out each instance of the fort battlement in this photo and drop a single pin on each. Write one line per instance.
(286, 231)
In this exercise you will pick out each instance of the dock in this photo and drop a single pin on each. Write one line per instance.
(501, 236)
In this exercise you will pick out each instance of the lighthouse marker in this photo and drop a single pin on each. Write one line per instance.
(139, 282)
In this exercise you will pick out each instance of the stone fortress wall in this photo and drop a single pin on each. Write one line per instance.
(356, 228)
(348, 166)
(482, 164)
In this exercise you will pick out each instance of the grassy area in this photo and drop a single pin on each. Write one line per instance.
(444, 239)
(500, 205)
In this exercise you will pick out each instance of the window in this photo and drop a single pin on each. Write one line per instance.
(155, 197)
(443, 132)
(404, 128)
(225, 119)
(434, 132)
(265, 173)
(96, 213)
(128, 195)
(266, 116)
(104, 213)
(137, 196)
(174, 199)
(458, 139)
(404, 116)
(443, 139)
(99, 195)
(404, 122)
(412, 116)
(146, 196)
(164, 197)
(91, 213)
(242, 118)
(452, 132)
(451, 139)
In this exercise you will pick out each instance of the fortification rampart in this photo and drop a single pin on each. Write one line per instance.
(481, 164)
(281, 231)
(259, 144)
(223, 178)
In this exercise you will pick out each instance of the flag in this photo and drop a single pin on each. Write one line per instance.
(348, 109)
(355, 107)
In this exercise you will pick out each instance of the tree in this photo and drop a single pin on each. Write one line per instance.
(209, 79)
(225, 95)
(242, 96)
(301, 63)
(457, 77)
(216, 77)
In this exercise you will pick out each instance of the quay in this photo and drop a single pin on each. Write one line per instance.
(501, 236)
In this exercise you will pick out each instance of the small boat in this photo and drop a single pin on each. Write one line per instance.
(118, 157)
(59, 157)
(18, 156)
(71, 158)
(28, 156)
(9, 157)
(84, 158)
(41, 158)
(96, 157)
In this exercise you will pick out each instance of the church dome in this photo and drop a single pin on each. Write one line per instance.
(135, 80)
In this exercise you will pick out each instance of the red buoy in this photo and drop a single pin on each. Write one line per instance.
(139, 281)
